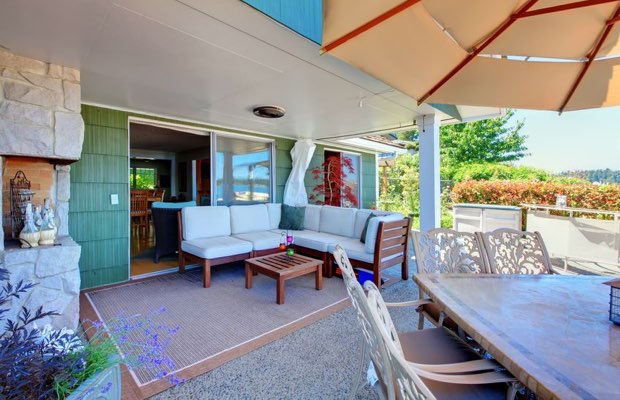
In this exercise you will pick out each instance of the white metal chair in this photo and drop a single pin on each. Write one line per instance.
(509, 251)
(448, 371)
(358, 300)
(436, 351)
(446, 251)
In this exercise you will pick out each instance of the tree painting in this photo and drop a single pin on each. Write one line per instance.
(333, 190)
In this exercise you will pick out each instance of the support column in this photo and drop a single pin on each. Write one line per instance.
(430, 211)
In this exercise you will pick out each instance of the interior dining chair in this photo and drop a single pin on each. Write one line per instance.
(139, 210)
(433, 363)
(442, 350)
(444, 251)
(509, 251)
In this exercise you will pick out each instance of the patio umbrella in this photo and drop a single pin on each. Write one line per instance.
(545, 54)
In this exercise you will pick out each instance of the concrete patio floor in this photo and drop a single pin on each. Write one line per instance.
(295, 368)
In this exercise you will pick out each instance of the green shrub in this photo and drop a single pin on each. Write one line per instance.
(494, 172)
(514, 193)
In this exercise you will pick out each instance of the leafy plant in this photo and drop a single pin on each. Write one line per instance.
(491, 140)
(498, 171)
(28, 361)
(47, 364)
(332, 189)
(601, 197)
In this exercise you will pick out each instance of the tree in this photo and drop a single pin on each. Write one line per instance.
(488, 141)
(332, 174)
(403, 186)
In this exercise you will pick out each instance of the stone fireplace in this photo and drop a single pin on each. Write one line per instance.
(41, 134)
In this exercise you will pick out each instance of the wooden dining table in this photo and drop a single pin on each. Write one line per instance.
(552, 332)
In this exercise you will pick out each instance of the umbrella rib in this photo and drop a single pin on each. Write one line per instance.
(369, 25)
(505, 25)
(608, 27)
(563, 7)
(613, 20)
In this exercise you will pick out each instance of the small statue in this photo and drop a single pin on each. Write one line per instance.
(38, 220)
(48, 226)
(29, 235)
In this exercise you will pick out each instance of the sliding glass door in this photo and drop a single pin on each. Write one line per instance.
(243, 170)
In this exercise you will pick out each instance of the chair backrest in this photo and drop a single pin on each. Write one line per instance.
(158, 193)
(509, 251)
(448, 251)
(409, 384)
(359, 302)
(139, 203)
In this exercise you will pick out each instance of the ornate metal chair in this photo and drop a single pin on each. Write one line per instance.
(358, 300)
(446, 251)
(446, 369)
(437, 350)
(509, 251)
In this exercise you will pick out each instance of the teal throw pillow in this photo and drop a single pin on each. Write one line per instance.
(292, 218)
(363, 237)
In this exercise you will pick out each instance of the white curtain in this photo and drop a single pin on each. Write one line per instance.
(295, 189)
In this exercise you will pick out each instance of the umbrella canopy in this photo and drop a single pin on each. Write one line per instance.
(534, 54)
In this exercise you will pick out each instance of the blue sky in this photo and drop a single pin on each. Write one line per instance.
(588, 139)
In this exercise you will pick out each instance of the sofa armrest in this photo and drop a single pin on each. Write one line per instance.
(392, 240)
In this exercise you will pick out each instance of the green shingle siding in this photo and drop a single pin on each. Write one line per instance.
(100, 228)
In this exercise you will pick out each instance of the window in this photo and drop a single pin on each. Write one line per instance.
(340, 185)
(142, 178)
(243, 171)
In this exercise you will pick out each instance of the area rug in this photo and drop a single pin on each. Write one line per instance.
(220, 323)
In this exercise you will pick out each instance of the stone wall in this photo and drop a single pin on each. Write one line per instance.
(40, 119)
(39, 109)
(56, 272)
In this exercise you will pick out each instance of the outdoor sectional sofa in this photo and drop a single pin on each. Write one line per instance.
(214, 235)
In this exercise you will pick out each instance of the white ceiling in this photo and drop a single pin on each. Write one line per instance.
(209, 61)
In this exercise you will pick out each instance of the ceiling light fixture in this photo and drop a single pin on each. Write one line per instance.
(269, 111)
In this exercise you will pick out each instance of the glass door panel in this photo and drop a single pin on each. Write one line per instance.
(243, 171)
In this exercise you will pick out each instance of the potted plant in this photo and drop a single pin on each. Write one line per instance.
(61, 364)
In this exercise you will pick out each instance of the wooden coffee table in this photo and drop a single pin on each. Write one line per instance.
(281, 268)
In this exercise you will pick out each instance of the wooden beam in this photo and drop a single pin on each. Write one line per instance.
(505, 25)
(369, 25)
(591, 57)
(563, 7)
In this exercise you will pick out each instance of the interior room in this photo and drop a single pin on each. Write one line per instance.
(168, 165)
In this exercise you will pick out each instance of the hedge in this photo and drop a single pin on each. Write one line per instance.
(514, 193)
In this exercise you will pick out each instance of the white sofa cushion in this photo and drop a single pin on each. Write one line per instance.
(337, 220)
(205, 222)
(373, 226)
(216, 247)
(275, 214)
(360, 219)
(252, 218)
(312, 217)
(319, 241)
(261, 240)
(355, 250)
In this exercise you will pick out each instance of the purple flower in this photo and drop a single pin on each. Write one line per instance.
(106, 388)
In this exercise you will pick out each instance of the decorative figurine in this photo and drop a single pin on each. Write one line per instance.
(48, 227)
(29, 235)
